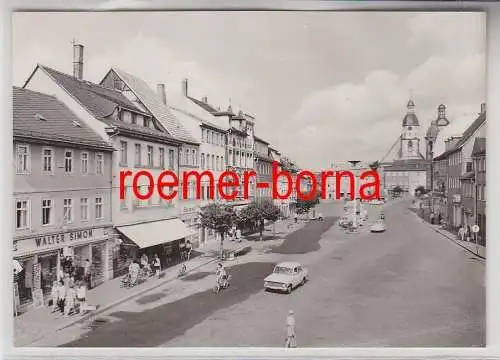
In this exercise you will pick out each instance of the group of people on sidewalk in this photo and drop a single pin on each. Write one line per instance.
(68, 296)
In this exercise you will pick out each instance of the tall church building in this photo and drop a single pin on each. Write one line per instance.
(404, 166)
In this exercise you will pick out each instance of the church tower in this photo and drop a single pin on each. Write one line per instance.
(409, 139)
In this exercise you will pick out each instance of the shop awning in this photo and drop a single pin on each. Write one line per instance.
(154, 233)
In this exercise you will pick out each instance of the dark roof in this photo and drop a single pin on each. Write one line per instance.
(154, 104)
(204, 105)
(101, 102)
(479, 147)
(261, 140)
(43, 117)
(181, 113)
(410, 119)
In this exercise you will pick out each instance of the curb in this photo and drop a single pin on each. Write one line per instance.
(456, 242)
(451, 239)
(129, 297)
(136, 294)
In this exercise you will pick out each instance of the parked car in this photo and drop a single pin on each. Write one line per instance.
(379, 226)
(319, 217)
(344, 221)
(286, 276)
(376, 202)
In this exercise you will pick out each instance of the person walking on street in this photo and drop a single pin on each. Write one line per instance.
(157, 265)
(291, 341)
(238, 235)
(86, 273)
(295, 217)
(189, 248)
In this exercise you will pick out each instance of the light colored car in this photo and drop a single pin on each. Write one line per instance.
(286, 276)
(319, 217)
(379, 226)
(376, 202)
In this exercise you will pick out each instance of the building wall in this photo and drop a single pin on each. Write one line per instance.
(454, 189)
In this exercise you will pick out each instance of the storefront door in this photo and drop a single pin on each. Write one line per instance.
(48, 274)
(97, 264)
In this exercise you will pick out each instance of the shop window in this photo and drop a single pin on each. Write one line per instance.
(98, 208)
(23, 159)
(99, 158)
(46, 212)
(22, 214)
(47, 161)
(84, 162)
(84, 209)
(68, 210)
(68, 161)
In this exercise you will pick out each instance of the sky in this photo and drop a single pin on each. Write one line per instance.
(323, 86)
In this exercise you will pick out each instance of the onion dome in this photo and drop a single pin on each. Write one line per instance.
(410, 118)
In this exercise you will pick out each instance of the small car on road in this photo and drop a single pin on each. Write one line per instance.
(378, 227)
(376, 202)
(319, 217)
(286, 276)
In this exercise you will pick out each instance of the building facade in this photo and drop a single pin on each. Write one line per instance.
(479, 164)
(62, 195)
(263, 167)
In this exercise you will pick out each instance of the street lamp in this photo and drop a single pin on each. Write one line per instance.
(357, 210)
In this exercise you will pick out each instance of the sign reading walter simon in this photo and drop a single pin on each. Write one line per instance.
(58, 240)
(63, 238)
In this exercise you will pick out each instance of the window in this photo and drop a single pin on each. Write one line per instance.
(162, 158)
(68, 210)
(217, 164)
(208, 161)
(138, 155)
(203, 161)
(98, 208)
(150, 156)
(213, 161)
(84, 209)
(147, 122)
(134, 118)
(123, 152)
(47, 160)
(171, 159)
(213, 138)
(468, 166)
(85, 162)
(22, 214)
(99, 167)
(68, 161)
(222, 161)
(186, 157)
(23, 159)
(193, 158)
(124, 201)
(46, 212)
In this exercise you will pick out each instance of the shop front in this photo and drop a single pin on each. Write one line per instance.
(43, 257)
(164, 238)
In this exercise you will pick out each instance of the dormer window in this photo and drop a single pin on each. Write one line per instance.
(134, 118)
(147, 122)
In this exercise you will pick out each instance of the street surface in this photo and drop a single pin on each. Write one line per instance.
(407, 287)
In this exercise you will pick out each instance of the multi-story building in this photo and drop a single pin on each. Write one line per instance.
(479, 159)
(138, 91)
(62, 194)
(263, 167)
(142, 143)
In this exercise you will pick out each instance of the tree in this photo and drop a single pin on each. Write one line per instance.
(258, 212)
(303, 206)
(218, 217)
(374, 165)
(420, 190)
(397, 190)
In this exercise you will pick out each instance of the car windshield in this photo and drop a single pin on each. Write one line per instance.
(282, 270)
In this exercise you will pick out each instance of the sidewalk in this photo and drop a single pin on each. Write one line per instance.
(39, 323)
(475, 249)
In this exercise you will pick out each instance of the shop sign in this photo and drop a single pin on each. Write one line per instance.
(56, 241)
(187, 209)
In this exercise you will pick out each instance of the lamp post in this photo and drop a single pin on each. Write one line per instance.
(357, 211)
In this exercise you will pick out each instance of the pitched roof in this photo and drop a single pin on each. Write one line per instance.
(180, 113)
(261, 140)
(479, 147)
(41, 116)
(205, 106)
(154, 104)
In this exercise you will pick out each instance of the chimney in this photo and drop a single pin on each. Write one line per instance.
(78, 61)
(483, 108)
(204, 99)
(161, 93)
(185, 87)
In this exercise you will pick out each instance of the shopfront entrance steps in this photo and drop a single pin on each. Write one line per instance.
(36, 324)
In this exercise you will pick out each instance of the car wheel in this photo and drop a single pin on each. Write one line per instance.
(289, 289)
(303, 281)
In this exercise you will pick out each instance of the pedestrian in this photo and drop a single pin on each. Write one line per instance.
(69, 303)
(189, 248)
(81, 296)
(54, 295)
(468, 233)
(291, 341)
(157, 265)
(461, 233)
(87, 274)
(295, 217)
(238, 235)
(61, 296)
